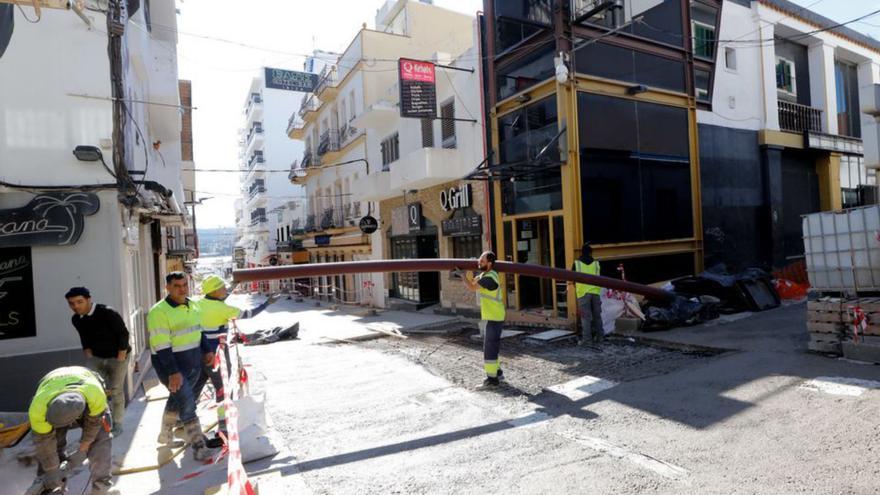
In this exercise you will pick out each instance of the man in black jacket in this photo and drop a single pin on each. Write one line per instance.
(104, 338)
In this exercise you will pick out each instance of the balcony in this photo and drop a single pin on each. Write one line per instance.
(309, 107)
(296, 127)
(258, 217)
(254, 108)
(794, 117)
(329, 142)
(327, 83)
(258, 187)
(332, 218)
(311, 226)
(352, 212)
(256, 130)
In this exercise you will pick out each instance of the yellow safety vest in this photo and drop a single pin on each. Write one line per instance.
(591, 269)
(67, 379)
(491, 301)
(214, 317)
(174, 327)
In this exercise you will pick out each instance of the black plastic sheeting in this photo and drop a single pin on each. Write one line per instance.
(263, 337)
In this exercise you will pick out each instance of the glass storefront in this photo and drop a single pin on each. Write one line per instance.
(418, 287)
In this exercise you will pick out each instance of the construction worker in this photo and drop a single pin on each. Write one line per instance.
(178, 353)
(68, 398)
(215, 315)
(488, 286)
(589, 299)
(104, 339)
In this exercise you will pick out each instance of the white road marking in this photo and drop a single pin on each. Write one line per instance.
(662, 468)
(531, 419)
(582, 387)
(837, 385)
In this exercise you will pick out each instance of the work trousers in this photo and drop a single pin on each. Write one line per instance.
(492, 347)
(183, 402)
(209, 373)
(99, 455)
(590, 306)
(113, 372)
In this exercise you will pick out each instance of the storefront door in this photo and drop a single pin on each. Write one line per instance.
(419, 287)
(540, 241)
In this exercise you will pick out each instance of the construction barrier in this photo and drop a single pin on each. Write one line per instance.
(236, 477)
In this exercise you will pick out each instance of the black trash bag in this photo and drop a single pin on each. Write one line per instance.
(750, 290)
(681, 312)
(263, 337)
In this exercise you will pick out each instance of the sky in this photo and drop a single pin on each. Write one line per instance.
(278, 33)
(282, 31)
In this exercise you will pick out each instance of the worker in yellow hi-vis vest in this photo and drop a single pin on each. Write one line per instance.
(589, 298)
(488, 285)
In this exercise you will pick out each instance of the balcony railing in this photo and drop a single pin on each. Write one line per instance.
(255, 99)
(258, 187)
(327, 78)
(294, 122)
(257, 128)
(329, 142)
(332, 218)
(309, 104)
(308, 160)
(258, 219)
(294, 168)
(310, 223)
(799, 118)
(257, 157)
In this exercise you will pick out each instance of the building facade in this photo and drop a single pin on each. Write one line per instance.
(265, 192)
(783, 131)
(340, 153)
(98, 218)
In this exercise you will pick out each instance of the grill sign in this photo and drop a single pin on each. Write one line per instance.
(17, 318)
(291, 80)
(50, 219)
(418, 93)
(454, 199)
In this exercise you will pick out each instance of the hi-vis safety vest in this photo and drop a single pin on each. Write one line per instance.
(67, 379)
(591, 269)
(491, 302)
(177, 328)
(215, 316)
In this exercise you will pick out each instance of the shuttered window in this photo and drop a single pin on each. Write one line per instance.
(390, 150)
(447, 134)
(427, 133)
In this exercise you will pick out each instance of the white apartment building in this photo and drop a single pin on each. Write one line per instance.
(266, 193)
(786, 125)
(67, 220)
(338, 154)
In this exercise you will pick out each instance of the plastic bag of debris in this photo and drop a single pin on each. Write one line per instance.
(681, 312)
(617, 304)
(748, 290)
(263, 337)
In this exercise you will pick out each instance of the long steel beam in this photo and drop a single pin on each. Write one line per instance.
(442, 265)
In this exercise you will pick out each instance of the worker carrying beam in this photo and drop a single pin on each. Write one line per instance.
(215, 315)
(178, 353)
(488, 285)
(70, 397)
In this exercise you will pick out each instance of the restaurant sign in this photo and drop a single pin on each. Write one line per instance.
(17, 315)
(50, 219)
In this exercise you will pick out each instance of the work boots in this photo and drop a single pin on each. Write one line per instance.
(196, 439)
(166, 435)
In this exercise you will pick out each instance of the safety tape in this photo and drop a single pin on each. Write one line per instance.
(236, 477)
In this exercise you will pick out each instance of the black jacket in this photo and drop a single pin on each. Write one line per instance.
(102, 331)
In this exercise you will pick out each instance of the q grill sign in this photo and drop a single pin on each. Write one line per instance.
(418, 91)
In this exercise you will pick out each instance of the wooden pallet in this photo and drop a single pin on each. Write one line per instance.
(826, 328)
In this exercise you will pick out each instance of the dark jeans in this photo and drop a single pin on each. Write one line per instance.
(590, 307)
(183, 402)
(492, 347)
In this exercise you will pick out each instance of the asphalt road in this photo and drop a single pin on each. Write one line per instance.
(379, 417)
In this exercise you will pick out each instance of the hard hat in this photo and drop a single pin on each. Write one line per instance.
(212, 283)
(64, 409)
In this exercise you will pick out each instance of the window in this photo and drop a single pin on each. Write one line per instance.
(730, 58)
(427, 133)
(701, 86)
(854, 181)
(785, 76)
(516, 20)
(390, 151)
(466, 247)
(704, 40)
(447, 128)
(660, 20)
(623, 64)
(525, 72)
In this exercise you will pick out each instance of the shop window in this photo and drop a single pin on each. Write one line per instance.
(525, 72)
(652, 269)
(702, 88)
(704, 18)
(447, 128)
(627, 65)
(516, 20)
(786, 80)
(657, 20)
(635, 174)
(427, 133)
(466, 247)
(390, 151)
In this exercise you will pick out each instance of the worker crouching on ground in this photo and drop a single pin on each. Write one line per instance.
(104, 339)
(589, 299)
(215, 315)
(71, 397)
(178, 353)
(488, 285)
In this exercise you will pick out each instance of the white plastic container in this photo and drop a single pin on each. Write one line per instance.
(843, 249)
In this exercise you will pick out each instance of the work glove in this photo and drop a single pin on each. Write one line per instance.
(76, 459)
(52, 480)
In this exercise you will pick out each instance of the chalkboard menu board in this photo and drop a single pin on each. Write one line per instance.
(17, 318)
(418, 92)
(291, 80)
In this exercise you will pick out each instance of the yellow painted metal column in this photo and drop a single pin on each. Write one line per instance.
(566, 102)
(828, 169)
